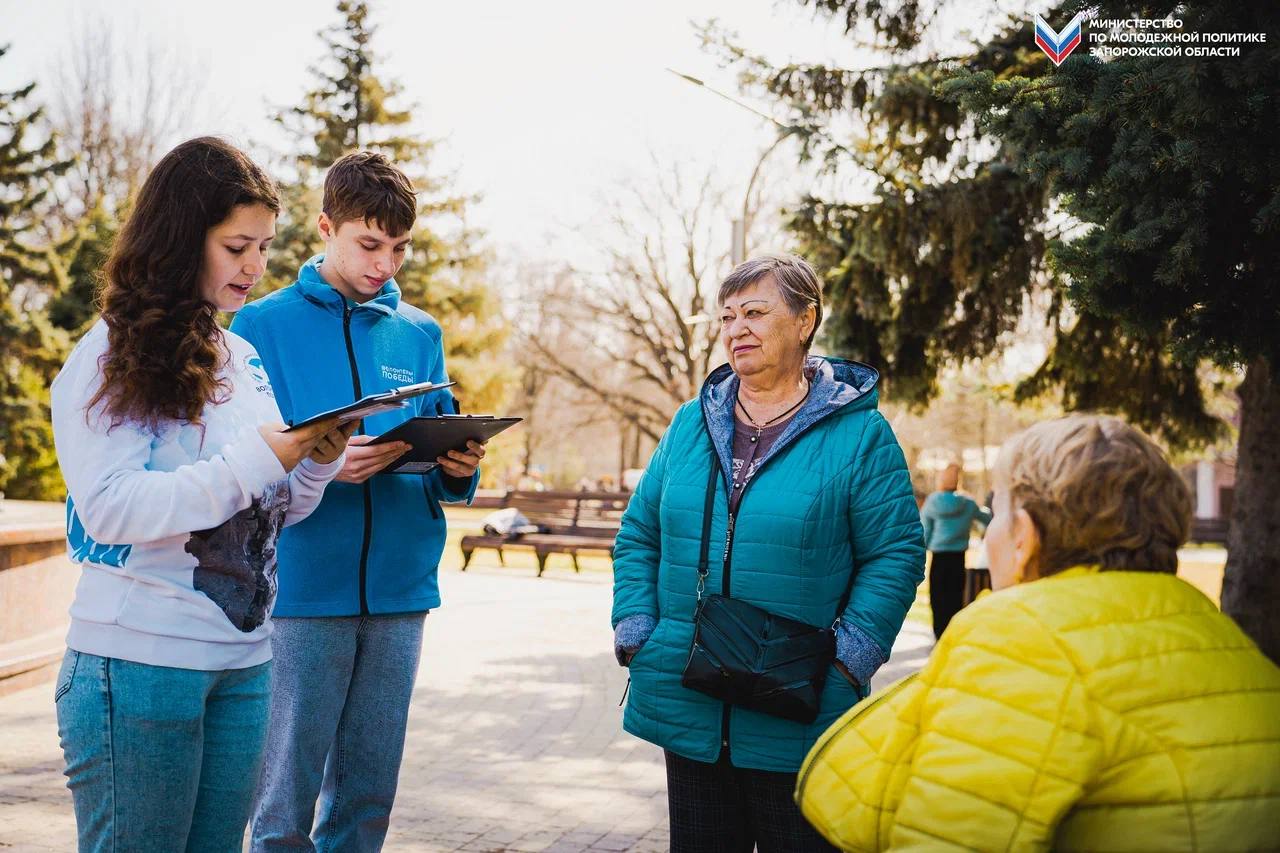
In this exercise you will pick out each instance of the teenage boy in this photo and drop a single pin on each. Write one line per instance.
(358, 577)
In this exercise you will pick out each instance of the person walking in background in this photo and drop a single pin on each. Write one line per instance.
(948, 519)
(1094, 701)
(179, 478)
(784, 470)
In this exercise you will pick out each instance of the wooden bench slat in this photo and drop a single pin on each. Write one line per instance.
(573, 521)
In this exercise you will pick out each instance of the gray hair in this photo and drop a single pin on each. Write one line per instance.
(796, 279)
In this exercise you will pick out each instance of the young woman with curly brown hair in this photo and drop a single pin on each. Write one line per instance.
(179, 478)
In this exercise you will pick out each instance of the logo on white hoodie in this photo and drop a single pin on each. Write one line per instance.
(258, 373)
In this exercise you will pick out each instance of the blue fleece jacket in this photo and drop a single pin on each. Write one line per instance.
(372, 547)
(948, 518)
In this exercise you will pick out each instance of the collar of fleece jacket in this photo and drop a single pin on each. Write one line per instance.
(834, 384)
(319, 292)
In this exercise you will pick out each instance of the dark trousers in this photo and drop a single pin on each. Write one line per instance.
(719, 808)
(946, 588)
(975, 581)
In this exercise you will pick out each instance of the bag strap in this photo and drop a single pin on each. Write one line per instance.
(704, 570)
(708, 508)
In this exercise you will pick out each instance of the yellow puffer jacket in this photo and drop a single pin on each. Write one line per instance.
(1090, 710)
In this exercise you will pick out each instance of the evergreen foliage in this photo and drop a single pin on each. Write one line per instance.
(352, 107)
(31, 350)
(74, 306)
(1139, 195)
(965, 222)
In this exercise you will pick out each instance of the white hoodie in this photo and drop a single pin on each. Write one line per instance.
(176, 530)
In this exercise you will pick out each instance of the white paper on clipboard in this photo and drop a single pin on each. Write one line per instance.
(374, 404)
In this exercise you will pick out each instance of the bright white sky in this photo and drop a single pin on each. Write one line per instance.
(544, 106)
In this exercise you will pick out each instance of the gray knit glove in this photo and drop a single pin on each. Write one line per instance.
(630, 634)
(860, 654)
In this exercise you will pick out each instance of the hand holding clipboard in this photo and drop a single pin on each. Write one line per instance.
(374, 404)
(431, 438)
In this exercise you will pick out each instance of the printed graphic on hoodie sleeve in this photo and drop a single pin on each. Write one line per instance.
(236, 561)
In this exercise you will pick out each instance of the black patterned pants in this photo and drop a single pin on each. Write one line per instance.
(719, 808)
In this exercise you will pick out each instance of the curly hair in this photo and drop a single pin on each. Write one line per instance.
(165, 350)
(1100, 493)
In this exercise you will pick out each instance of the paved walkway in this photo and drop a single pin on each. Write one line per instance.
(515, 738)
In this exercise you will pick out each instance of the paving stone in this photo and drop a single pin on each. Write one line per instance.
(515, 737)
(563, 846)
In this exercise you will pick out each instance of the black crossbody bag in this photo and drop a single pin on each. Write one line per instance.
(747, 656)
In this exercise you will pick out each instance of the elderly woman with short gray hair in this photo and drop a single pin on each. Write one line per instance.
(763, 567)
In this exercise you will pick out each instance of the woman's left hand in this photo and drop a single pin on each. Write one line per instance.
(462, 463)
(330, 447)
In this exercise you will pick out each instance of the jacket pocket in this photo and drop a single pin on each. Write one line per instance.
(66, 674)
(647, 646)
(644, 675)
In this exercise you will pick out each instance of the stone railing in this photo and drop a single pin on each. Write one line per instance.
(37, 582)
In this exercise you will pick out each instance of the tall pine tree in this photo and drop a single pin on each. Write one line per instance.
(1138, 196)
(80, 257)
(31, 349)
(350, 108)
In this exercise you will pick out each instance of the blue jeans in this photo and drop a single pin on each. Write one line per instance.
(338, 715)
(158, 758)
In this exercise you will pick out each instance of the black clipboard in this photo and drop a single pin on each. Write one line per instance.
(432, 437)
(374, 404)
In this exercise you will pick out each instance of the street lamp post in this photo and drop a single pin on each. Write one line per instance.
(742, 226)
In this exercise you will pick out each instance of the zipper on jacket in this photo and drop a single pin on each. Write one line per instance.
(368, 488)
(727, 711)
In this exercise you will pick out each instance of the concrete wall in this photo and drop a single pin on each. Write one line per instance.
(37, 583)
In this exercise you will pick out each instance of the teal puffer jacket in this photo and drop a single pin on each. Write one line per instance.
(832, 501)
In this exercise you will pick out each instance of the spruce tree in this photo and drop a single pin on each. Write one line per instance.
(31, 350)
(81, 256)
(1138, 196)
(351, 107)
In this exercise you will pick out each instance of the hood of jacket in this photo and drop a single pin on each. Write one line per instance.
(836, 385)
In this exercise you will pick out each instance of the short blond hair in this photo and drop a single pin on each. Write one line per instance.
(1100, 493)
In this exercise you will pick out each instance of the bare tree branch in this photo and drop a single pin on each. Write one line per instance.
(635, 339)
(116, 106)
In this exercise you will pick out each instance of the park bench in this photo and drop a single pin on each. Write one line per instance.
(568, 523)
(1210, 530)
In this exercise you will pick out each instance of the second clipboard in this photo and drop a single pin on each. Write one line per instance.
(432, 437)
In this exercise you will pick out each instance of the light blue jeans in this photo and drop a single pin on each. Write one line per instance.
(338, 715)
(160, 759)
